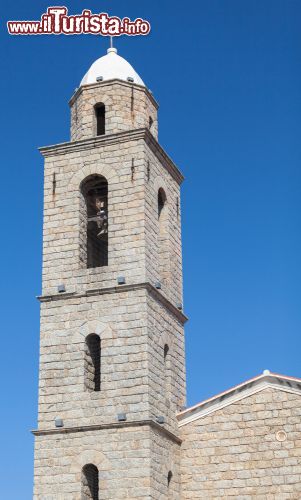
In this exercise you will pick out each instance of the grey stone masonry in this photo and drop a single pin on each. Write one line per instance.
(133, 329)
(128, 107)
(112, 422)
(138, 324)
(133, 462)
(249, 449)
(133, 220)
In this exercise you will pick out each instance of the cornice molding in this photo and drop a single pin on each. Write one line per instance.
(116, 425)
(163, 157)
(238, 393)
(108, 83)
(118, 138)
(156, 294)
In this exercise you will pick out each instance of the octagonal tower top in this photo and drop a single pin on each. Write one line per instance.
(112, 98)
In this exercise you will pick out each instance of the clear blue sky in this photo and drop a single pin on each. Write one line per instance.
(228, 79)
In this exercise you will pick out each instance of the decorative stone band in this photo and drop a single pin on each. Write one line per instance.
(154, 292)
(132, 135)
(116, 425)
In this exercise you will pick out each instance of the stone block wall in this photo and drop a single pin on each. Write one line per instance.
(63, 214)
(133, 215)
(132, 461)
(165, 458)
(133, 321)
(235, 452)
(171, 277)
(167, 386)
(120, 320)
(133, 329)
(127, 107)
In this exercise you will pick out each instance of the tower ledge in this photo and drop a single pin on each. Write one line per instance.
(125, 288)
(132, 135)
(108, 83)
(116, 425)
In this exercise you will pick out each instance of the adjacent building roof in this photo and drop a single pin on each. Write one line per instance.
(110, 67)
(247, 388)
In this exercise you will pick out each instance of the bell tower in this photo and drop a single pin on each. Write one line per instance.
(112, 367)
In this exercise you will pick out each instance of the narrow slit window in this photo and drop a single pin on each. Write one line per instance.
(100, 114)
(167, 373)
(169, 485)
(166, 351)
(163, 238)
(161, 202)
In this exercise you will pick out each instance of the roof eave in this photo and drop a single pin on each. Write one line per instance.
(255, 384)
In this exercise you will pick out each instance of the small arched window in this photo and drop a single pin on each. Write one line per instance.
(95, 220)
(93, 362)
(90, 482)
(100, 115)
(169, 478)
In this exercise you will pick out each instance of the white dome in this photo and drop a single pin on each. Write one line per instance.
(109, 67)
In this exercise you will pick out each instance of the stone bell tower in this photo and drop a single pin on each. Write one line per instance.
(112, 370)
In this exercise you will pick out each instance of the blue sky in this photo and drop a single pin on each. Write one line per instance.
(227, 77)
